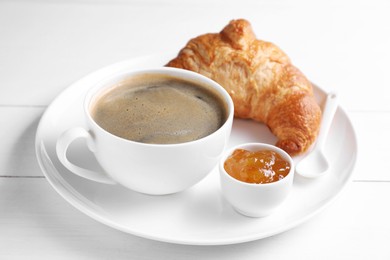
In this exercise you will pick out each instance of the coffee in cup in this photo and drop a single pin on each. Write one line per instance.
(159, 109)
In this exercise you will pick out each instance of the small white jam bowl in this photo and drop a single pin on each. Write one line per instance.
(251, 199)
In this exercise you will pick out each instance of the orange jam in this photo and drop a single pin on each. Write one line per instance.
(263, 166)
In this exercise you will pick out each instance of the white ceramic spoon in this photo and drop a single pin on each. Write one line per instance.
(315, 163)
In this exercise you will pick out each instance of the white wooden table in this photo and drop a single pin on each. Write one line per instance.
(46, 45)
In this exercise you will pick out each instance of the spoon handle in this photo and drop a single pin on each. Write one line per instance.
(327, 118)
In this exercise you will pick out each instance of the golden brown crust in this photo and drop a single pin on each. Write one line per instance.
(261, 80)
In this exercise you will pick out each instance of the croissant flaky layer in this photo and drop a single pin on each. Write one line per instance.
(261, 80)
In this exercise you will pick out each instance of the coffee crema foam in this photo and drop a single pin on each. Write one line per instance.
(161, 111)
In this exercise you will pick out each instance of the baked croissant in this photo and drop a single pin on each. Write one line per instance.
(261, 80)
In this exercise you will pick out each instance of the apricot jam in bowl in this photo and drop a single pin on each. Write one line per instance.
(256, 178)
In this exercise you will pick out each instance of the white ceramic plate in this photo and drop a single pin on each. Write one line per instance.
(199, 215)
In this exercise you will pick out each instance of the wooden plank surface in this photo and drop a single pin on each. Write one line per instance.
(17, 140)
(53, 44)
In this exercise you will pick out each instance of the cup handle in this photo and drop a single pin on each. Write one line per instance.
(62, 145)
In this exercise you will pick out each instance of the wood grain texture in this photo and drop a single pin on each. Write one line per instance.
(17, 140)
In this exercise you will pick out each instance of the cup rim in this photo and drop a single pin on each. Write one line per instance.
(259, 146)
(175, 72)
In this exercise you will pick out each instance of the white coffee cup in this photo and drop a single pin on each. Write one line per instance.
(148, 168)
